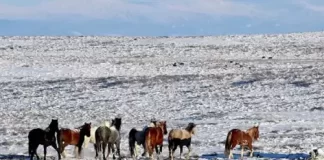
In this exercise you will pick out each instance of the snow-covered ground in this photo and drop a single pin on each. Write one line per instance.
(219, 83)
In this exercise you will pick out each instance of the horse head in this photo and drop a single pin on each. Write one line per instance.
(254, 132)
(163, 126)
(86, 129)
(191, 128)
(117, 122)
(154, 121)
(54, 125)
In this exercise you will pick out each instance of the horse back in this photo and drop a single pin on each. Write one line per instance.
(150, 135)
(240, 136)
(70, 136)
(155, 135)
(179, 134)
(36, 134)
(103, 133)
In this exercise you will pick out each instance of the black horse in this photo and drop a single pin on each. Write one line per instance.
(45, 137)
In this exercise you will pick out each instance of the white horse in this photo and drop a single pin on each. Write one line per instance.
(115, 137)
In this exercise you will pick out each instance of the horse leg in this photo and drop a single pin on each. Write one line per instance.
(113, 150)
(251, 148)
(31, 154)
(242, 151)
(156, 149)
(144, 152)
(118, 148)
(170, 150)
(231, 150)
(175, 146)
(76, 152)
(136, 150)
(57, 149)
(104, 145)
(35, 151)
(96, 149)
(189, 151)
(150, 150)
(181, 149)
(31, 150)
(45, 150)
(62, 149)
(161, 146)
(109, 148)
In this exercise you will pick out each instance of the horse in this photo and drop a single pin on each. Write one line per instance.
(92, 138)
(74, 137)
(181, 137)
(45, 137)
(236, 136)
(102, 135)
(154, 138)
(115, 137)
(137, 137)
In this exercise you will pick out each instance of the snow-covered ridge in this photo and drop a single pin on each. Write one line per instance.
(219, 83)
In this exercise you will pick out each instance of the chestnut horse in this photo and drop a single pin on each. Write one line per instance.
(181, 137)
(242, 138)
(74, 137)
(154, 138)
(137, 137)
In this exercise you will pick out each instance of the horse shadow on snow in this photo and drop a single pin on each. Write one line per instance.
(24, 157)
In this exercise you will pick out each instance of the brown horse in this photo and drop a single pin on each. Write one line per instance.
(236, 136)
(181, 137)
(154, 138)
(74, 137)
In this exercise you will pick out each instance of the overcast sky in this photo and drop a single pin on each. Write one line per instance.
(159, 17)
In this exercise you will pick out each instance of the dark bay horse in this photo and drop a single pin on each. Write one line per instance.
(44, 137)
(154, 138)
(242, 138)
(181, 137)
(137, 137)
(73, 137)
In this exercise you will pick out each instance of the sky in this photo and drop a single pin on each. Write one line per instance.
(159, 17)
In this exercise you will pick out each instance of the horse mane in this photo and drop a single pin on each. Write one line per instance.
(117, 123)
(190, 127)
(252, 132)
(106, 123)
(53, 126)
(154, 121)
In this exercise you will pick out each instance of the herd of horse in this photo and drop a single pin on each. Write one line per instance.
(108, 134)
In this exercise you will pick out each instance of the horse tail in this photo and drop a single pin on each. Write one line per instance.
(98, 140)
(170, 136)
(228, 142)
(29, 146)
(131, 140)
(147, 139)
